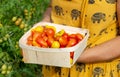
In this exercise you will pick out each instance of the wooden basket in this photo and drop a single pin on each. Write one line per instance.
(53, 56)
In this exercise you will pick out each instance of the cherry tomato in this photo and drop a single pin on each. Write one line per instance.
(71, 55)
(42, 42)
(65, 35)
(55, 44)
(79, 36)
(71, 42)
(63, 41)
(29, 42)
(36, 34)
(50, 32)
(72, 36)
(50, 41)
(30, 38)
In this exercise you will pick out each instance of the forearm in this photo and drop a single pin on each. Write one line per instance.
(118, 11)
(46, 16)
(103, 52)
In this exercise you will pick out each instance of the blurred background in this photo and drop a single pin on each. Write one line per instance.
(16, 18)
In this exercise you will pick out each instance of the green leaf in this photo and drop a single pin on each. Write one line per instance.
(2, 75)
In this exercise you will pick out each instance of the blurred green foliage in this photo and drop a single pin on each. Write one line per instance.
(30, 12)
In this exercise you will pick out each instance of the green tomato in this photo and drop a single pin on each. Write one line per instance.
(1, 25)
(9, 67)
(3, 72)
(5, 39)
(1, 40)
(14, 19)
(8, 72)
(4, 67)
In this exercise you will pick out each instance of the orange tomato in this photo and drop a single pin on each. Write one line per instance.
(36, 34)
(29, 42)
(30, 38)
(34, 43)
(63, 41)
(42, 42)
(57, 38)
(50, 41)
(50, 32)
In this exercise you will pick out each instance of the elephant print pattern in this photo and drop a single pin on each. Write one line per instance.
(114, 15)
(59, 10)
(91, 1)
(97, 17)
(111, 1)
(98, 71)
(75, 14)
(118, 67)
(108, 1)
(80, 67)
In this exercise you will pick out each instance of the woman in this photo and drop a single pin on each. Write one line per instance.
(101, 17)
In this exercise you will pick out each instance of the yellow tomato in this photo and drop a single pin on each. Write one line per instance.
(60, 33)
(47, 26)
(71, 61)
(55, 44)
(38, 28)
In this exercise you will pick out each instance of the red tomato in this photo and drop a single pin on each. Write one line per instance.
(72, 36)
(45, 38)
(71, 42)
(43, 34)
(65, 35)
(50, 40)
(50, 32)
(42, 42)
(79, 36)
(71, 55)
(63, 41)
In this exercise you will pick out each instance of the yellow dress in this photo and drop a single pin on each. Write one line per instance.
(99, 16)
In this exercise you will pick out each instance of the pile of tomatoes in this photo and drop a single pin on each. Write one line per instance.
(47, 37)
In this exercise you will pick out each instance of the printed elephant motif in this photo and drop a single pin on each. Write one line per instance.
(118, 67)
(98, 71)
(103, 31)
(58, 69)
(111, 74)
(75, 14)
(58, 10)
(91, 1)
(114, 15)
(80, 67)
(97, 17)
(48, 67)
(111, 1)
